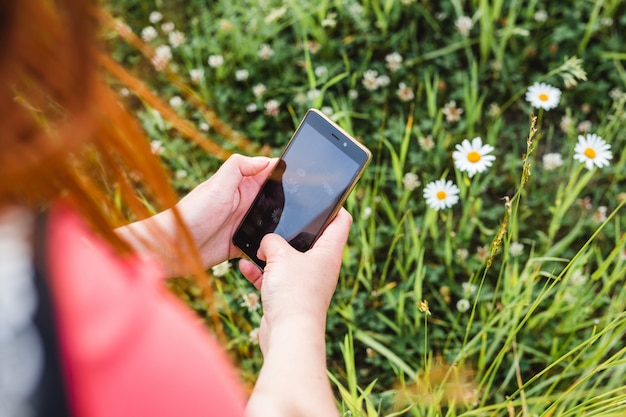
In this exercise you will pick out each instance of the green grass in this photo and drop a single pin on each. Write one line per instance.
(541, 327)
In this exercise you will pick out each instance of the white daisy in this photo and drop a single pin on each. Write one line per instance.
(543, 96)
(473, 157)
(592, 150)
(441, 194)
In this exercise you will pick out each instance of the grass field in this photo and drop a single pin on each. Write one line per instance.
(496, 291)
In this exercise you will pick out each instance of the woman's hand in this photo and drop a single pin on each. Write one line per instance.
(296, 290)
(211, 212)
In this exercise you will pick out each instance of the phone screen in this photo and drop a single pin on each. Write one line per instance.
(317, 170)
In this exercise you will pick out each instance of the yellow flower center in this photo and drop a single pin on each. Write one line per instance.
(590, 153)
(473, 156)
(543, 97)
(441, 195)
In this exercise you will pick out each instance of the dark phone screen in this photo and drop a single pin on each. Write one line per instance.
(305, 187)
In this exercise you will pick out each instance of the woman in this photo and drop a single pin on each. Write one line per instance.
(87, 328)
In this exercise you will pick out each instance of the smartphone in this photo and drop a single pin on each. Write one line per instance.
(310, 182)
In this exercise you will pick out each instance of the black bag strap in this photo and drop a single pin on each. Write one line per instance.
(50, 398)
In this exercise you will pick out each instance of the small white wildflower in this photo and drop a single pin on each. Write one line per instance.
(516, 249)
(552, 161)
(410, 181)
(469, 289)
(196, 75)
(176, 38)
(251, 301)
(464, 25)
(242, 75)
(366, 213)
(215, 61)
(321, 71)
(462, 254)
(181, 174)
(176, 102)
(259, 89)
(156, 146)
(204, 127)
(427, 143)
(162, 56)
(254, 336)
(606, 22)
(312, 94)
(222, 269)
(272, 107)
(543, 96)
(616, 93)
(148, 34)
(265, 52)
(463, 305)
(394, 61)
(383, 80)
(441, 194)
(353, 94)
(155, 17)
(370, 80)
(473, 157)
(452, 112)
(592, 150)
(584, 126)
(578, 278)
(125, 92)
(599, 216)
(167, 27)
(330, 21)
(327, 110)
(251, 108)
(566, 123)
(541, 16)
(405, 93)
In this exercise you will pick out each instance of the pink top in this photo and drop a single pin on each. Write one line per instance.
(129, 347)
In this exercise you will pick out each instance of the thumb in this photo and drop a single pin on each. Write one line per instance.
(273, 245)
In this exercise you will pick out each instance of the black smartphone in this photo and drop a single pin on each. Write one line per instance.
(310, 182)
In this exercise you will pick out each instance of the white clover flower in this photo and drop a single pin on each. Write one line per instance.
(584, 126)
(215, 61)
(272, 107)
(265, 52)
(383, 80)
(452, 112)
(516, 249)
(251, 108)
(410, 181)
(259, 89)
(330, 21)
(394, 61)
(312, 94)
(176, 102)
(543, 96)
(370, 80)
(162, 56)
(156, 146)
(541, 16)
(167, 27)
(366, 213)
(441, 194)
(125, 92)
(148, 34)
(181, 174)
(327, 110)
(461, 254)
(464, 24)
(321, 71)
(254, 336)
(463, 305)
(196, 75)
(405, 93)
(222, 269)
(552, 161)
(204, 127)
(242, 75)
(353, 94)
(473, 157)
(592, 150)
(599, 216)
(469, 289)
(251, 301)
(427, 143)
(176, 38)
(155, 17)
